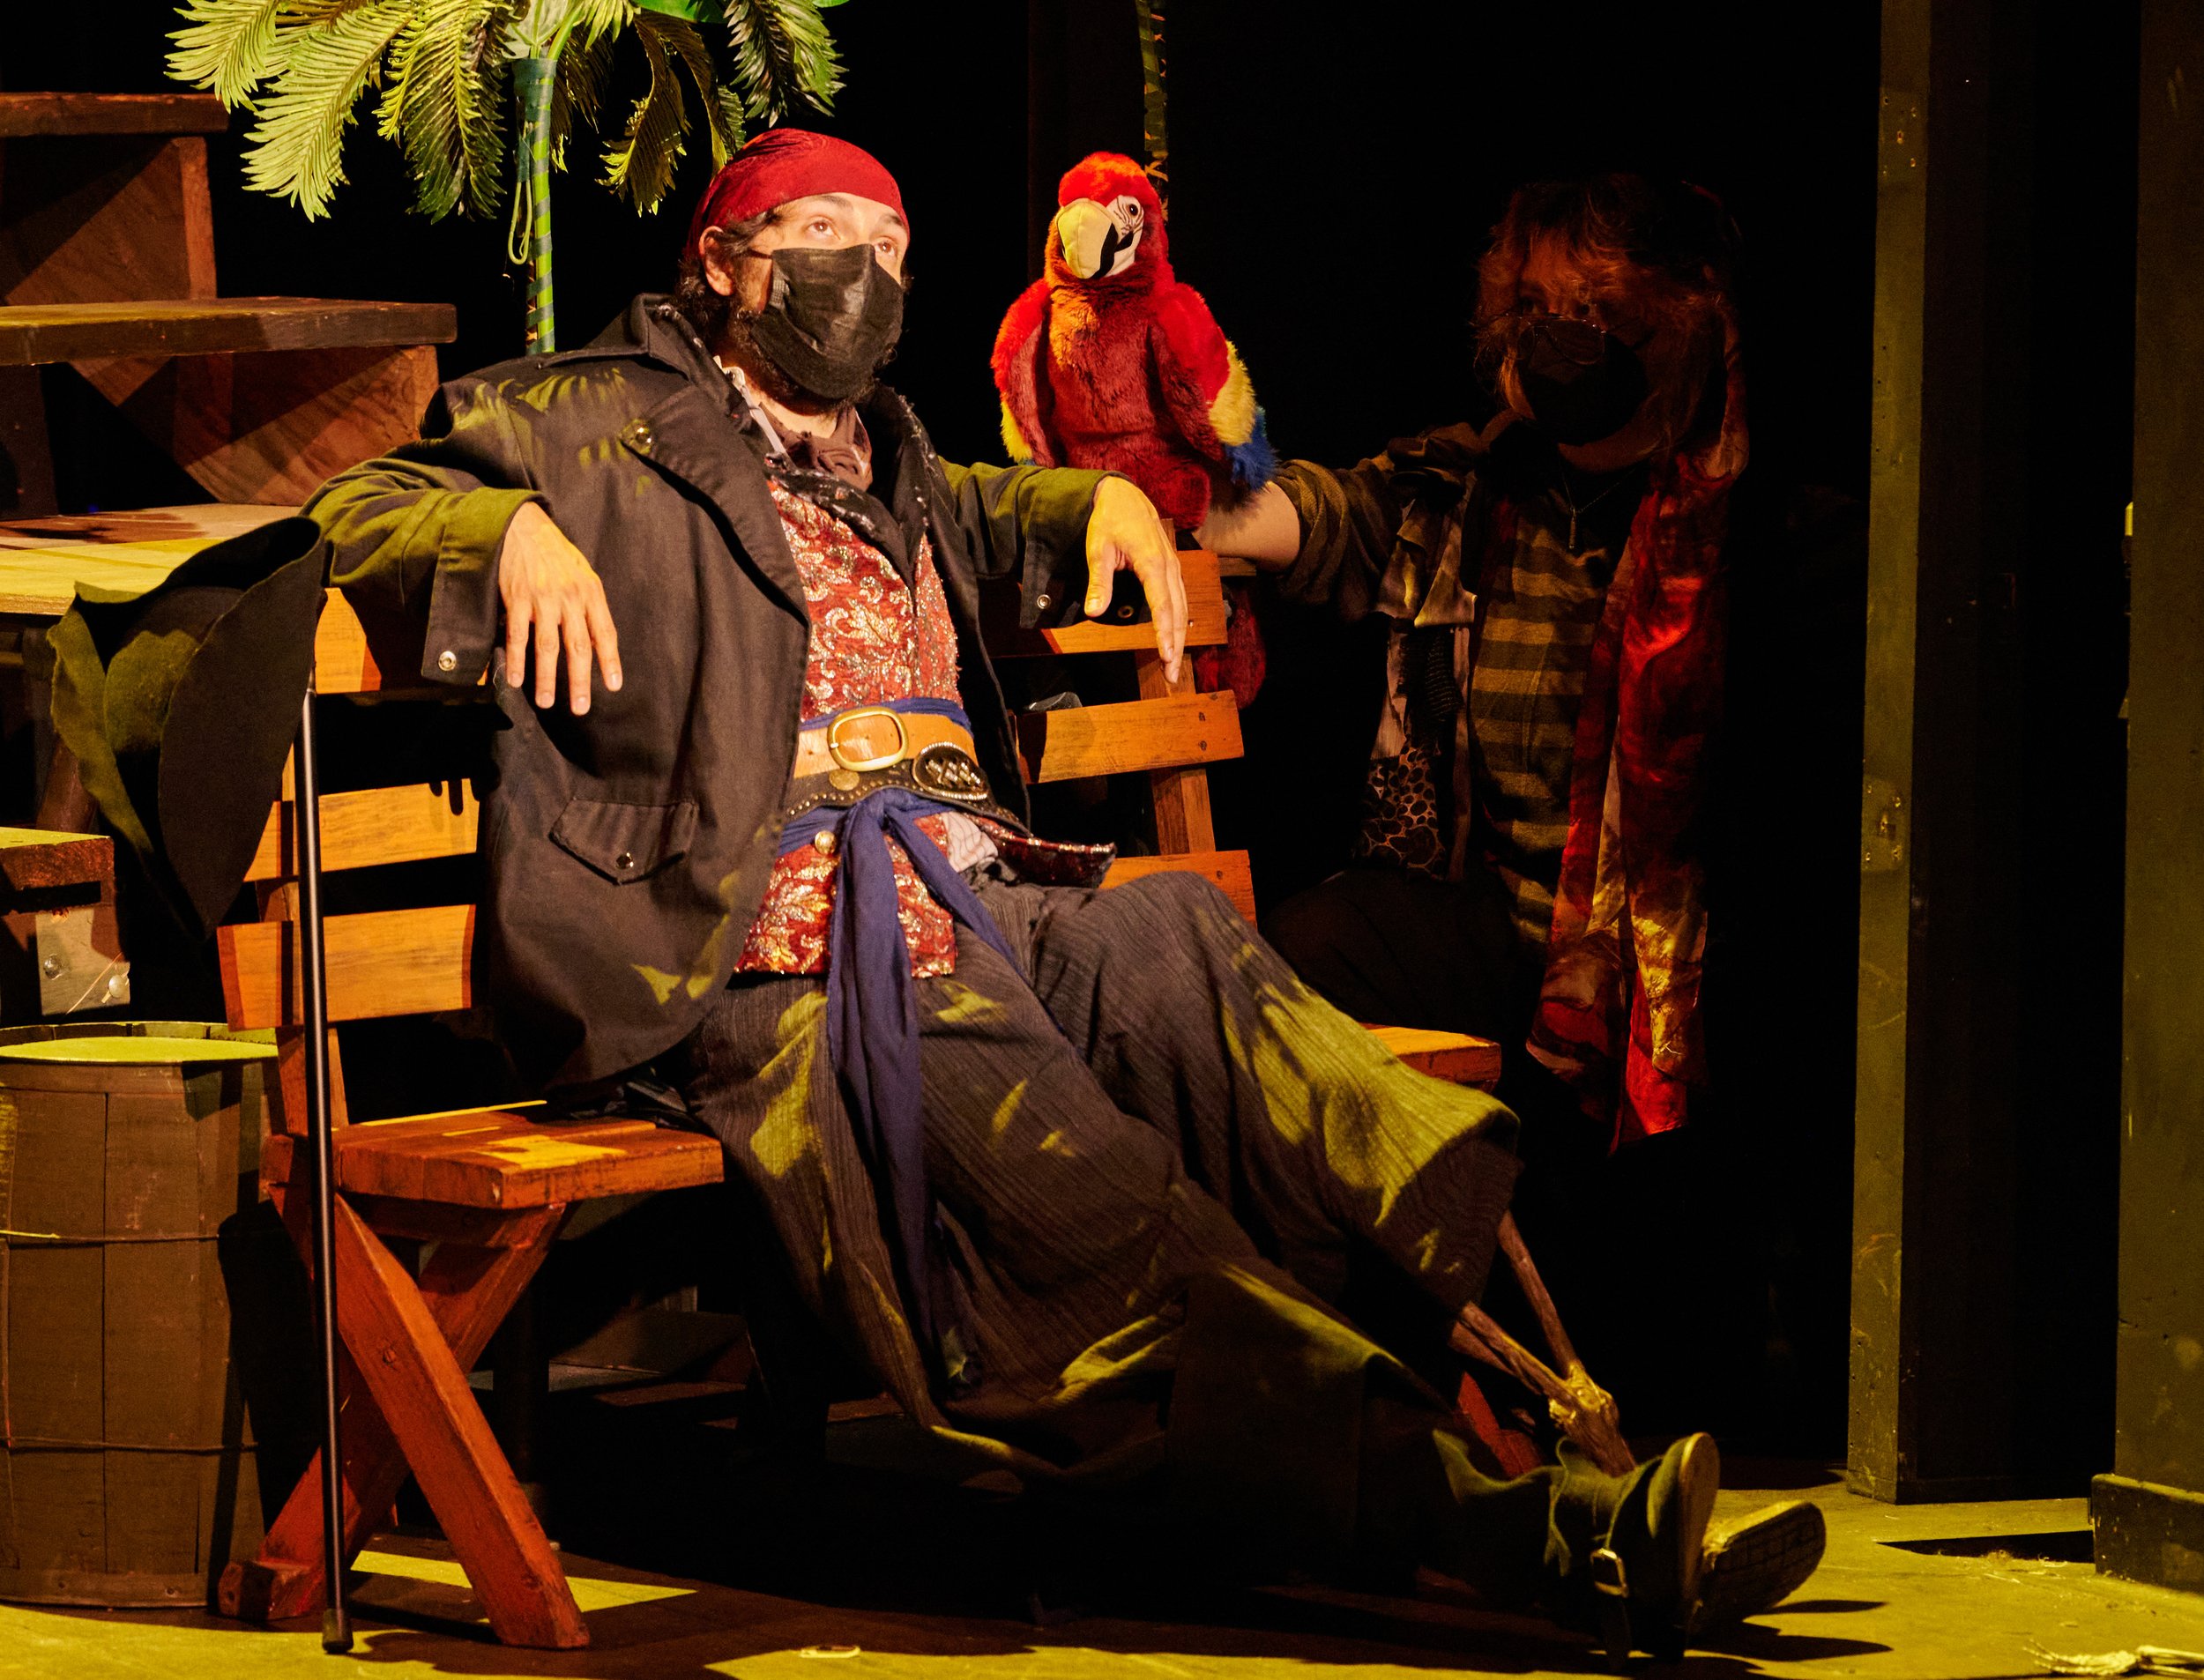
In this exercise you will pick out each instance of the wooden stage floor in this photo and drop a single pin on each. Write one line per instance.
(688, 1561)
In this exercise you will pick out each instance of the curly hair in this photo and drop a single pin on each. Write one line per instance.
(1661, 255)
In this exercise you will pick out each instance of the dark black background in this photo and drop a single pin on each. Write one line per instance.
(1330, 188)
(1333, 174)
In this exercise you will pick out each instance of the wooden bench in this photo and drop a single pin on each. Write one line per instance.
(1172, 734)
(488, 1188)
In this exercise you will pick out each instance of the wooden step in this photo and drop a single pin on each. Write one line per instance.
(46, 332)
(67, 114)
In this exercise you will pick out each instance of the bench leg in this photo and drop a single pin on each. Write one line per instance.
(464, 1292)
(423, 1395)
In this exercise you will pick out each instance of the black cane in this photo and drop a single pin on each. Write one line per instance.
(306, 809)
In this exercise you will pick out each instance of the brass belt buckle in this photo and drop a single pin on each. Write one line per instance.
(873, 761)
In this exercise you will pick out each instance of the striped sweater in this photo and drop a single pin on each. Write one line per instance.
(1388, 536)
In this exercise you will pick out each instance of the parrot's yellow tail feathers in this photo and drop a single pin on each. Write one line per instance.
(1013, 439)
(1232, 414)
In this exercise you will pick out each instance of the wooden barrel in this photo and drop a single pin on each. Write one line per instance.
(128, 1185)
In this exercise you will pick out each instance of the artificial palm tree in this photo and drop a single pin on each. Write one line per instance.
(1148, 15)
(446, 72)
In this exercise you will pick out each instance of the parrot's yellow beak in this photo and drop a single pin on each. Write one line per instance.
(1089, 237)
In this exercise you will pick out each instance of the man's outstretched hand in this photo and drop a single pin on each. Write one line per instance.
(550, 588)
(1125, 530)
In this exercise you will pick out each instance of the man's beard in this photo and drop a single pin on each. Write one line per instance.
(739, 344)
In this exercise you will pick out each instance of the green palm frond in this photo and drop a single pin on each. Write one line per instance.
(641, 168)
(224, 45)
(585, 71)
(297, 150)
(724, 115)
(728, 130)
(783, 56)
(444, 103)
(596, 20)
(445, 69)
(319, 11)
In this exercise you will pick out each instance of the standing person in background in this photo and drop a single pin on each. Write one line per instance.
(1529, 866)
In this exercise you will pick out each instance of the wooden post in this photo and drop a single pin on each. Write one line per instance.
(1183, 822)
(313, 983)
(1937, 1056)
(2149, 1515)
(1987, 1060)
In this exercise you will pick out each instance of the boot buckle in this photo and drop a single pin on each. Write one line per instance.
(1610, 1585)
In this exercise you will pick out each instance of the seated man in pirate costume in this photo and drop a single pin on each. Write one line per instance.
(1073, 1172)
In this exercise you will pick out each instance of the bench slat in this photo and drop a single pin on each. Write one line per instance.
(1129, 735)
(1455, 1056)
(504, 1161)
(382, 963)
(1228, 869)
(1205, 620)
(380, 825)
(343, 663)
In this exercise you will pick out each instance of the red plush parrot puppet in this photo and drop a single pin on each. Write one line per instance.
(1108, 361)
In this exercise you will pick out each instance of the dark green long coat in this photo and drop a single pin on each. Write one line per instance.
(628, 849)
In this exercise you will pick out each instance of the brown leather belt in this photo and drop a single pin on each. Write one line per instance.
(873, 738)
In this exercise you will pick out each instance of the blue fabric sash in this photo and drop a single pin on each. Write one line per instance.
(872, 1005)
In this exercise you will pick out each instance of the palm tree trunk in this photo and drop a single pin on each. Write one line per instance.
(534, 82)
(1153, 138)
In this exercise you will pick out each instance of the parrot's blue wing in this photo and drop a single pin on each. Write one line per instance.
(1255, 463)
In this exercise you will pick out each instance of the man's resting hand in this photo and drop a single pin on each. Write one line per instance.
(1124, 529)
(548, 585)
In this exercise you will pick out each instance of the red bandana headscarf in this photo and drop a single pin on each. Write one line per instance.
(782, 164)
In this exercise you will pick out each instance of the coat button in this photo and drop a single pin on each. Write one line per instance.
(447, 660)
(637, 435)
(625, 860)
(1041, 602)
(823, 840)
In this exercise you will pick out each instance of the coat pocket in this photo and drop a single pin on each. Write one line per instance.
(625, 843)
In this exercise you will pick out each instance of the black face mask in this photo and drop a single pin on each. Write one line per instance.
(831, 319)
(1582, 383)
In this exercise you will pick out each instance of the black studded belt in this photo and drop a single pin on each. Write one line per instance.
(854, 752)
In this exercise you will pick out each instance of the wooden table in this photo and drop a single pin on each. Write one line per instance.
(42, 560)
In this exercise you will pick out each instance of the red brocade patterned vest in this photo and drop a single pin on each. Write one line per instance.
(874, 639)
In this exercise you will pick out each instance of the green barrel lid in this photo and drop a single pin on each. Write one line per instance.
(133, 1048)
